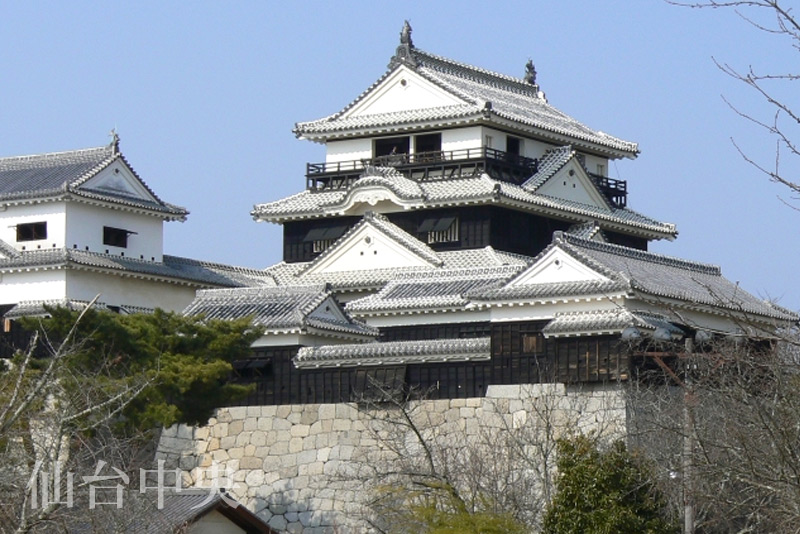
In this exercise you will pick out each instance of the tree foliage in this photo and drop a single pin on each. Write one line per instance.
(185, 360)
(604, 491)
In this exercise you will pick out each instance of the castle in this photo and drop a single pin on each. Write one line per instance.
(462, 238)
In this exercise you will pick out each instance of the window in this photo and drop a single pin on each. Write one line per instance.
(601, 169)
(391, 146)
(532, 343)
(440, 229)
(322, 238)
(489, 141)
(32, 231)
(430, 145)
(116, 237)
(514, 145)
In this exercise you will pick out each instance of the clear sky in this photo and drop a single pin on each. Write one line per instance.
(204, 96)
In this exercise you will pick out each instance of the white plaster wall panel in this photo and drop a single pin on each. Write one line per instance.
(85, 229)
(53, 213)
(592, 163)
(32, 285)
(117, 178)
(348, 150)
(120, 291)
(382, 321)
(572, 183)
(462, 138)
(403, 90)
(556, 266)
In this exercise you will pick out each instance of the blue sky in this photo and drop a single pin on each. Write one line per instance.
(204, 97)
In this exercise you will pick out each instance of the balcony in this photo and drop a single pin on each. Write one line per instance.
(422, 166)
(616, 191)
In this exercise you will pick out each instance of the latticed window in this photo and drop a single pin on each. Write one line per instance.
(532, 342)
(440, 229)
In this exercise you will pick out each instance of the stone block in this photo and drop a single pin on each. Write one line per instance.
(254, 478)
(250, 462)
(243, 439)
(236, 452)
(326, 411)
(219, 430)
(256, 437)
(227, 442)
(295, 445)
(269, 411)
(264, 423)
(237, 412)
(254, 411)
(251, 423)
(299, 431)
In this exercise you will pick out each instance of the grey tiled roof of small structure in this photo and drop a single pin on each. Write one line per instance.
(460, 190)
(189, 505)
(382, 224)
(39, 307)
(274, 308)
(587, 230)
(654, 275)
(552, 161)
(443, 289)
(394, 352)
(485, 93)
(606, 321)
(295, 273)
(61, 173)
(182, 269)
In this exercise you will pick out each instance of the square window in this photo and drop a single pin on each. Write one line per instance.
(32, 231)
(532, 343)
(115, 237)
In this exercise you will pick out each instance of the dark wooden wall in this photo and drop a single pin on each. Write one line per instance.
(519, 355)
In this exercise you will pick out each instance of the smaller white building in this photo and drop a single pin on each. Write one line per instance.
(80, 223)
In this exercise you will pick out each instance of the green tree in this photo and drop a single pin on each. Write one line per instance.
(185, 361)
(604, 491)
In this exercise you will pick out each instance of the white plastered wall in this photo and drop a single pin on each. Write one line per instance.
(85, 229)
(33, 285)
(122, 291)
(53, 213)
(348, 150)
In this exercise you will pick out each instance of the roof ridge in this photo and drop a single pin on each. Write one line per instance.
(47, 156)
(458, 68)
(653, 257)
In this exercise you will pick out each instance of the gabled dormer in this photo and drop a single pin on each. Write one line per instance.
(89, 200)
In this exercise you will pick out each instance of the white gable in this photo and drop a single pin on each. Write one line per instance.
(328, 310)
(117, 179)
(403, 90)
(572, 183)
(555, 267)
(367, 249)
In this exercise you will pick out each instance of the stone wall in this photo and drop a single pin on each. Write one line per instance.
(307, 468)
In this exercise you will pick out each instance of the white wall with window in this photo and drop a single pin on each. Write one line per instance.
(85, 231)
(30, 215)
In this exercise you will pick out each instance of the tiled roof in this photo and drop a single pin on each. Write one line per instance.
(63, 173)
(485, 96)
(276, 309)
(394, 352)
(464, 190)
(552, 161)
(382, 224)
(442, 289)
(656, 277)
(598, 322)
(172, 267)
(29, 308)
(587, 230)
(295, 273)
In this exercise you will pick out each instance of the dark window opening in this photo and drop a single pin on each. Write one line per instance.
(428, 143)
(390, 146)
(513, 145)
(32, 231)
(116, 237)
